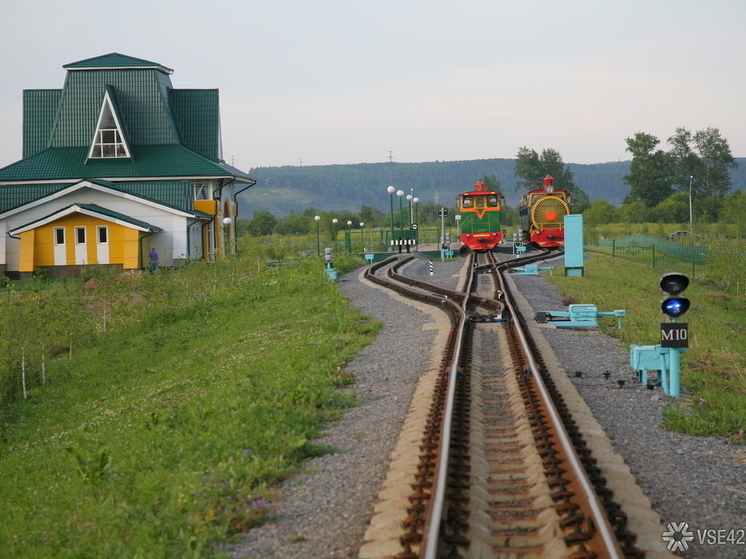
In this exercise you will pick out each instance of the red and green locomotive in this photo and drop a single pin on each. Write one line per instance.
(480, 211)
(542, 213)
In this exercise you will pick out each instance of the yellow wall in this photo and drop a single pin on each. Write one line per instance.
(207, 206)
(27, 251)
(37, 246)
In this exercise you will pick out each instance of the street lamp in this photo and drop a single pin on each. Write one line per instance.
(400, 194)
(348, 240)
(409, 199)
(362, 237)
(457, 217)
(391, 191)
(318, 241)
(334, 222)
(691, 227)
(416, 219)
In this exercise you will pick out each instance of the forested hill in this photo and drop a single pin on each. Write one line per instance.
(285, 190)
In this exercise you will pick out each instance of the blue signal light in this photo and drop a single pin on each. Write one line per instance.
(673, 284)
(675, 307)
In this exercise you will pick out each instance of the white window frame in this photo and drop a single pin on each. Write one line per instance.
(108, 143)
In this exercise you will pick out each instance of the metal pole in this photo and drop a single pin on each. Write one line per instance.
(334, 222)
(391, 191)
(400, 194)
(318, 239)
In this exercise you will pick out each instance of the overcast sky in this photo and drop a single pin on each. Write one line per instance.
(323, 82)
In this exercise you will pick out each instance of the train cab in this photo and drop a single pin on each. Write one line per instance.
(480, 212)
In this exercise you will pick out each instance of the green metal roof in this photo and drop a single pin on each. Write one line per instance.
(39, 113)
(173, 135)
(175, 194)
(115, 60)
(197, 113)
(61, 164)
(17, 195)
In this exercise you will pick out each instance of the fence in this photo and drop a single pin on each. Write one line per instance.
(379, 240)
(657, 252)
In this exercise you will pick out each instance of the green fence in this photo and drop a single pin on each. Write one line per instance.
(656, 252)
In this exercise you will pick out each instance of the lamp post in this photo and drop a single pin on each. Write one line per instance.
(416, 219)
(334, 222)
(457, 217)
(691, 227)
(400, 194)
(348, 240)
(318, 238)
(409, 199)
(362, 237)
(391, 191)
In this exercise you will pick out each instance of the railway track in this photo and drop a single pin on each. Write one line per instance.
(502, 469)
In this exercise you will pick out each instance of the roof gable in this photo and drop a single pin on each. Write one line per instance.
(109, 140)
(90, 210)
(142, 100)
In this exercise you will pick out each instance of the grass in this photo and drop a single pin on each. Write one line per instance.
(713, 370)
(164, 436)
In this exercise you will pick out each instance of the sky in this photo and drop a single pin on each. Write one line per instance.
(322, 82)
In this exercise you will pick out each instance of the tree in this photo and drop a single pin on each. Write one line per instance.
(650, 172)
(705, 168)
(491, 182)
(734, 209)
(716, 162)
(262, 223)
(532, 168)
(599, 213)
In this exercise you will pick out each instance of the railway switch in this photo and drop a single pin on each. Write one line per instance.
(578, 315)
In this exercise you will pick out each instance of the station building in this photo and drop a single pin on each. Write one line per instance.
(117, 163)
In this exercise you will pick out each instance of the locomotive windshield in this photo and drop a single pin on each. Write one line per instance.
(490, 201)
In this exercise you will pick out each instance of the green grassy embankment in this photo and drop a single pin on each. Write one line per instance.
(713, 370)
(163, 436)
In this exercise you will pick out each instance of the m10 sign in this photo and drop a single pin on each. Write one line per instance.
(674, 334)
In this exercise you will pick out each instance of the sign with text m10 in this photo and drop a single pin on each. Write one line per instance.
(674, 334)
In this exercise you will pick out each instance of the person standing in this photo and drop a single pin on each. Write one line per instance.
(153, 260)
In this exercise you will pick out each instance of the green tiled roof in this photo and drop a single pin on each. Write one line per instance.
(39, 112)
(114, 60)
(116, 215)
(16, 195)
(142, 103)
(197, 112)
(174, 194)
(61, 164)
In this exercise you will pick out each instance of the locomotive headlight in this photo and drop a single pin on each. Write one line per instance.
(549, 189)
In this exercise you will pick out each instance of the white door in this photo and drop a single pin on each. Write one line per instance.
(60, 254)
(81, 255)
(102, 244)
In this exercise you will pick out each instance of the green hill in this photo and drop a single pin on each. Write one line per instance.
(291, 189)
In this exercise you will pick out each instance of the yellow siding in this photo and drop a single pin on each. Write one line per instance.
(207, 206)
(37, 246)
(27, 251)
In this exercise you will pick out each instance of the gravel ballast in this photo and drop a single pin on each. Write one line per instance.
(324, 511)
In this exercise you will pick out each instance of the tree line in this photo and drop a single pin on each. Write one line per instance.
(698, 166)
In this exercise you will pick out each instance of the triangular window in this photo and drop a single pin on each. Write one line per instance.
(108, 142)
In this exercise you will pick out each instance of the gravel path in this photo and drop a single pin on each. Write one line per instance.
(324, 511)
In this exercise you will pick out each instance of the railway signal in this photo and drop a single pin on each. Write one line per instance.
(674, 305)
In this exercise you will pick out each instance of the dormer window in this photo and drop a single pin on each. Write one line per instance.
(108, 141)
